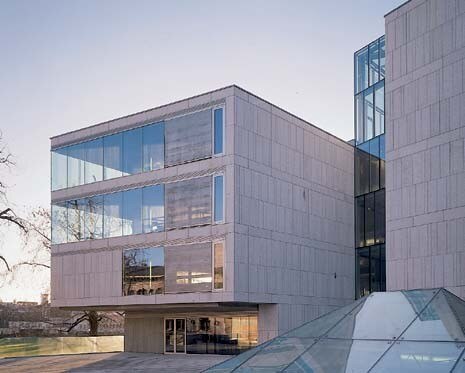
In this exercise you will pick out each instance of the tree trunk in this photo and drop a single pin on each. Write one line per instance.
(93, 323)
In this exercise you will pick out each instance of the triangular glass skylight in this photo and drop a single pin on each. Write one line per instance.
(400, 331)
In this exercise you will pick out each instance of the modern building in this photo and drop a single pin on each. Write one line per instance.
(425, 130)
(220, 221)
(215, 222)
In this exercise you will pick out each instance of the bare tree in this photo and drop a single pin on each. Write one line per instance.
(7, 215)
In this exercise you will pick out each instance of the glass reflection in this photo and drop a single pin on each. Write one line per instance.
(182, 139)
(59, 168)
(113, 215)
(143, 271)
(421, 357)
(223, 335)
(132, 211)
(218, 131)
(373, 62)
(76, 164)
(361, 70)
(138, 210)
(93, 210)
(153, 208)
(379, 109)
(219, 198)
(218, 264)
(113, 156)
(93, 169)
(188, 202)
(153, 146)
(419, 331)
(132, 151)
(59, 216)
(438, 321)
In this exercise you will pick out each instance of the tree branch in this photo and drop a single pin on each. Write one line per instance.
(32, 264)
(77, 322)
(10, 216)
(6, 263)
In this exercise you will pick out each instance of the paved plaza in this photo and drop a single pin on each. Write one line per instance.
(111, 362)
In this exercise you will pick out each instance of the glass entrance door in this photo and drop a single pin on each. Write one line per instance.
(175, 335)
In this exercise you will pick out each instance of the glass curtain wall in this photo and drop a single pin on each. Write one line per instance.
(186, 203)
(173, 269)
(144, 271)
(223, 334)
(151, 147)
(370, 217)
(369, 91)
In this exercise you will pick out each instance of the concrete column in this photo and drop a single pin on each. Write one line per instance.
(143, 332)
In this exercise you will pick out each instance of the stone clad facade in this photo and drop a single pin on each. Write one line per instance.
(287, 228)
(425, 131)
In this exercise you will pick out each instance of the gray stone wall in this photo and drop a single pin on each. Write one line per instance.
(425, 131)
(293, 200)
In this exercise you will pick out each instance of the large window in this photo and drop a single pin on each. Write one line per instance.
(153, 209)
(113, 215)
(218, 265)
(221, 334)
(369, 91)
(153, 146)
(382, 57)
(368, 113)
(373, 62)
(359, 129)
(59, 168)
(187, 203)
(361, 70)
(113, 156)
(132, 212)
(144, 271)
(59, 223)
(380, 216)
(369, 167)
(93, 217)
(188, 138)
(379, 109)
(173, 269)
(370, 219)
(218, 131)
(188, 268)
(76, 164)
(370, 270)
(182, 139)
(218, 194)
(93, 169)
(132, 151)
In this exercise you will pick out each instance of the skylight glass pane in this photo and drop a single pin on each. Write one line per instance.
(277, 355)
(230, 364)
(419, 357)
(339, 356)
(393, 323)
(323, 324)
(437, 322)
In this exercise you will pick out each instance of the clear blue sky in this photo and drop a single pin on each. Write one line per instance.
(69, 64)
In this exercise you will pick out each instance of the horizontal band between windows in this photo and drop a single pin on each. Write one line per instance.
(148, 182)
(104, 132)
(139, 245)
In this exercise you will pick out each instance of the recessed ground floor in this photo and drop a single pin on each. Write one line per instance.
(198, 332)
(112, 362)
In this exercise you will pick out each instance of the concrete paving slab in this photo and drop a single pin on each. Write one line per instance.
(111, 362)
